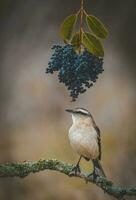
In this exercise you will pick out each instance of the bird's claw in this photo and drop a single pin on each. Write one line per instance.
(75, 171)
(93, 176)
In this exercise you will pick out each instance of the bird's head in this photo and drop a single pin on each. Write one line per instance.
(80, 115)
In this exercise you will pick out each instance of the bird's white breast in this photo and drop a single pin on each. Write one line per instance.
(84, 141)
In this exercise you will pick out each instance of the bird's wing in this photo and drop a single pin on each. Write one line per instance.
(98, 137)
(99, 140)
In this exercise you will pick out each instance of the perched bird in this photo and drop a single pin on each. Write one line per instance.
(84, 136)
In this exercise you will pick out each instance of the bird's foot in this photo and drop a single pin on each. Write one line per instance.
(93, 176)
(75, 171)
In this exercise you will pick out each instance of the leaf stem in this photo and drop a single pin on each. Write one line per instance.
(85, 12)
(81, 23)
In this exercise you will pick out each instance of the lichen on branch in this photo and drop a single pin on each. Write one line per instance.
(24, 169)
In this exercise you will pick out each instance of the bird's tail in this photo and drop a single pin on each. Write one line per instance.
(98, 167)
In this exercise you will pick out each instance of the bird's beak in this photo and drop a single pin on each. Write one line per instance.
(69, 110)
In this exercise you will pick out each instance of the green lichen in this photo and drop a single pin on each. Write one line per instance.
(24, 169)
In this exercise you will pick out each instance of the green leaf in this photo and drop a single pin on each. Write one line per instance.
(76, 41)
(93, 44)
(67, 27)
(96, 26)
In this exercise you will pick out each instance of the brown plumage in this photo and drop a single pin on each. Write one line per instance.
(85, 137)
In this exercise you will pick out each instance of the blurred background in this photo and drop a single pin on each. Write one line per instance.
(33, 122)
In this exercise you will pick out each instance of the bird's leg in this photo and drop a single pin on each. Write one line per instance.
(94, 174)
(76, 170)
(77, 165)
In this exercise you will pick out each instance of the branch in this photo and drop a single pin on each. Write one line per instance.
(24, 169)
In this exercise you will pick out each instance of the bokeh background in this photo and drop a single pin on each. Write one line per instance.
(33, 122)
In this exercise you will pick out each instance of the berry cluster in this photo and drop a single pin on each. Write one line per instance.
(76, 71)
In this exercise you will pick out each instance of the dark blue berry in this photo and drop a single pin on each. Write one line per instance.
(76, 71)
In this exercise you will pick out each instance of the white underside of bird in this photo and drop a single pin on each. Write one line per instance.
(84, 141)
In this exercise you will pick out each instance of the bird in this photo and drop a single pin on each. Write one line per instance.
(85, 138)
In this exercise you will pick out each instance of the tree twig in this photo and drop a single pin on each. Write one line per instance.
(24, 169)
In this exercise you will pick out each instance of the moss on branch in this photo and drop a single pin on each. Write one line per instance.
(24, 169)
